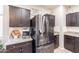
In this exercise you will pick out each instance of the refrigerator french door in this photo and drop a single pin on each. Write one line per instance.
(44, 33)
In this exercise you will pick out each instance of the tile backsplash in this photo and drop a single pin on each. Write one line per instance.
(72, 29)
(18, 28)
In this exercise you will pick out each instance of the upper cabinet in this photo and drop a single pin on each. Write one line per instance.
(77, 15)
(25, 17)
(68, 16)
(19, 17)
(72, 19)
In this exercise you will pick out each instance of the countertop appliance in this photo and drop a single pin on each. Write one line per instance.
(25, 34)
(43, 33)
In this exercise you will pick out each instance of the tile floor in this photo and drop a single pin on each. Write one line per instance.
(61, 50)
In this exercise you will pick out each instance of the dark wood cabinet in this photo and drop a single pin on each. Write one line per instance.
(27, 48)
(71, 19)
(25, 17)
(76, 45)
(24, 47)
(14, 50)
(56, 41)
(68, 17)
(15, 16)
(69, 42)
(19, 17)
(77, 15)
(12, 21)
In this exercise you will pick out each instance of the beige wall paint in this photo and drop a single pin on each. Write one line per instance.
(5, 21)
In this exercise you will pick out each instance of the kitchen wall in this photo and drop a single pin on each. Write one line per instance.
(5, 21)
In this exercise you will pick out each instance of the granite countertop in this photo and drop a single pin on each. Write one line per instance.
(76, 34)
(14, 41)
(9, 41)
(56, 33)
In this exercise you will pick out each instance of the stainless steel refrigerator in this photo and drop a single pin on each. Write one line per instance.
(43, 36)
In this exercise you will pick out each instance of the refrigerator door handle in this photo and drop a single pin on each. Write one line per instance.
(42, 26)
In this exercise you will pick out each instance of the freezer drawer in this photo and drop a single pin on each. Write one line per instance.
(46, 49)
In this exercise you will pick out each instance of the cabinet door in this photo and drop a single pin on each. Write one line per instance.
(68, 17)
(12, 17)
(25, 18)
(77, 45)
(73, 19)
(77, 14)
(15, 16)
(69, 43)
(18, 16)
(56, 41)
(27, 48)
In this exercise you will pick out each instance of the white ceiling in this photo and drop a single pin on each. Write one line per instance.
(50, 7)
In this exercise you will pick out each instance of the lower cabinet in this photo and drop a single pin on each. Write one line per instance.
(56, 41)
(71, 43)
(14, 50)
(24, 47)
(77, 45)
